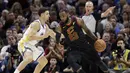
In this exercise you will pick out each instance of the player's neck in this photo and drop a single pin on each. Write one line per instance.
(42, 21)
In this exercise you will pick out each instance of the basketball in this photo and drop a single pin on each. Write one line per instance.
(100, 45)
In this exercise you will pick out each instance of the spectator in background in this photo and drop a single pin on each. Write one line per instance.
(126, 30)
(2, 35)
(53, 16)
(4, 63)
(48, 3)
(104, 7)
(4, 15)
(91, 17)
(52, 67)
(14, 30)
(120, 60)
(72, 11)
(125, 18)
(10, 21)
(54, 50)
(80, 9)
(20, 23)
(113, 36)
(108, 27)
(38, 4)
(20, 35)
(105, 55)
(17, 9)
(58, 6)
(124, 36)
(116, 25)
(68, 6)
(34, 13)
(54, 21)
(9, 32)
(11, 48)
(3, 4)
(126, 8)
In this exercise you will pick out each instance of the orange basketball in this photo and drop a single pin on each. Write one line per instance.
(100, 45)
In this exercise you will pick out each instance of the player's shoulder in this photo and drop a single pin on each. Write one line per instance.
(35, 24)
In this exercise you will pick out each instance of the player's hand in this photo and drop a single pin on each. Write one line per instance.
(111, 9)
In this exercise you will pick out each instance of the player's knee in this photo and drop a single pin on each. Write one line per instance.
(28, 57)
(28, 53)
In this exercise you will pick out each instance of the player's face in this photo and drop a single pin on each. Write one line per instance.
(89, 7)
(63, 16)
(45, 15)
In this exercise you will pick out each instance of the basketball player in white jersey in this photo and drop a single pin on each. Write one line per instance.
(37, 30)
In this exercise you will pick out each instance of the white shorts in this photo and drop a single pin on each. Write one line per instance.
(36, 52)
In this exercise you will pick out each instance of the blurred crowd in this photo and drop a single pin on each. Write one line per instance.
(16, 15)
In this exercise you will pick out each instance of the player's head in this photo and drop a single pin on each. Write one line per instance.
(89, 7)
(44, 13)
(63, 15)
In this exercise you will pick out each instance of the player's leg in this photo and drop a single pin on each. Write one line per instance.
(27, 58)
(88, 66)
(73, 58)
(42, 61)
(92, 55)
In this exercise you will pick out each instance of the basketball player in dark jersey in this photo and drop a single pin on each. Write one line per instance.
(71, 28)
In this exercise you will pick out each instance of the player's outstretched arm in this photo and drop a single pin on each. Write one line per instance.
(56, 35)
(107, 12)
(89, 33)
(34, 29)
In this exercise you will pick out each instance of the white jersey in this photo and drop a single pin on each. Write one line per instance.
(41, 32)
(90, 22)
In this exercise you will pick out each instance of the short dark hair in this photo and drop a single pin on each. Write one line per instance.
(42, 10)
(64, 10)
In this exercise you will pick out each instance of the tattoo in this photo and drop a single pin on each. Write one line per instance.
(89, 33)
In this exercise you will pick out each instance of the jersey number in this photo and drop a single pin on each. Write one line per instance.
(72, 34)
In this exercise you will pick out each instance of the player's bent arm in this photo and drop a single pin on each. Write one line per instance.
(55, 35)
(32, 29)
(89, 33)
(35, 37)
